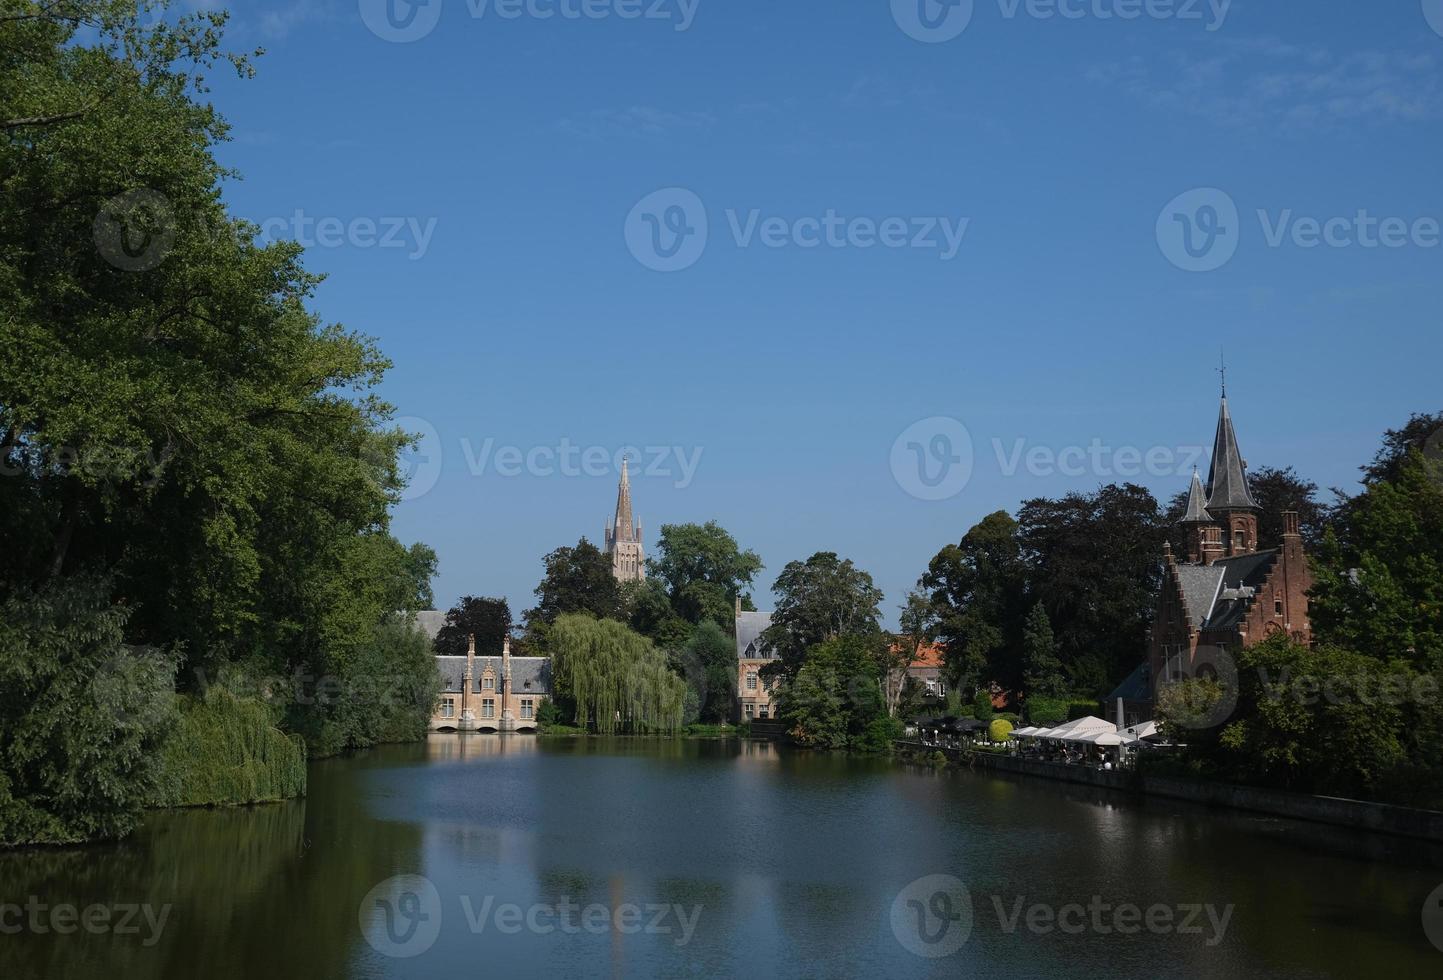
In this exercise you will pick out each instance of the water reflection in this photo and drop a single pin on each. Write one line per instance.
(790, 860)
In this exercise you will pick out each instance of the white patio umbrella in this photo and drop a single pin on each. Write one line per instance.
(1139, 732)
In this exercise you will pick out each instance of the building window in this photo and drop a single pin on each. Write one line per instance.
(1240, 539)
(448, 707)
(528, 708)
(749, 710)
(1277, 603)
(488, 708)
(488, 683)
(931, 687)
(751, 680)
(941, 688)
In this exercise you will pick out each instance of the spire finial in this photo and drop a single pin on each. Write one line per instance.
(1223, 369)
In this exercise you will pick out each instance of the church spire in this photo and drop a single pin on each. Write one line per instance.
(623, 529)
(1227, 476)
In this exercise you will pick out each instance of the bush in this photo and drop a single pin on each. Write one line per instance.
(1000, 730)
(83, 717)
(227, 751)
(1046, 711)
(879, 735)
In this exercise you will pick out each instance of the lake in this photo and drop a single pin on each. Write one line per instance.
(500, 856)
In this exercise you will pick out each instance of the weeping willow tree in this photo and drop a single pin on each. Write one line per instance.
(615, 676)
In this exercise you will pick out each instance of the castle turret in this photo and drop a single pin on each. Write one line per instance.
(1230, 501)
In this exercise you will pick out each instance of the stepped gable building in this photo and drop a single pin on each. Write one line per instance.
(623, 536)
(754, 692)
(1225, 592)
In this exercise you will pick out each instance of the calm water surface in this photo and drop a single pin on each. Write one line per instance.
(708, 859)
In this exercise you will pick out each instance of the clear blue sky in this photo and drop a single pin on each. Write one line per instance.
(527, 321)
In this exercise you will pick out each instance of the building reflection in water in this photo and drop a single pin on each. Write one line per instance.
(475, 746)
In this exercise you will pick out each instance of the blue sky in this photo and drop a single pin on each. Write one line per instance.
(514, 163)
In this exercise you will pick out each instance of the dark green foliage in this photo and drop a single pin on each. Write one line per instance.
(835, 701)
(1042, 674)
(577, 580)
(179, 421)
(383, 694)
(82, 717)
(821, 599)
(489, 620)
(702, 570)
(1316, 720)
(708, 663)
(227, 750)
(982, 708)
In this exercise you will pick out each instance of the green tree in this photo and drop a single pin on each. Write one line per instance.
(489, 620)
(616, 678)
(823, 598)
(84, 717)
(1092, 561)
(708, 662)
(1042, 672)
(650, 613)
(975, 589)
(576, 580)
(704, 571)
(835, 701)
(172, 414)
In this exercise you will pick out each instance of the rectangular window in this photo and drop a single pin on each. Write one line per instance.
(448, 707)
(488, 683)
(931, 685)
(941, 688)
(488, 708)
(528, 708)
(749, 709)
(1278, 604)
(752, 681)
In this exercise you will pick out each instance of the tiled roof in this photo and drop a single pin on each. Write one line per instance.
(533, 671)
(749, 630)
(928, 655)
(429, 621)
(1227, 477)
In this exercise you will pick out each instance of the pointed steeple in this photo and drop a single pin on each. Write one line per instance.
(624, 530)
(1227, 476)
(1196, 508)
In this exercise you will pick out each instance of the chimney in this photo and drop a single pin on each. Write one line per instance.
(1291, 524)
(738, 609)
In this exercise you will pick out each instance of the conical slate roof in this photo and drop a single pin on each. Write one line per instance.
(1227, 477)
(1196, 509)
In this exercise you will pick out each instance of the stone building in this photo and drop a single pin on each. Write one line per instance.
(1226, 593)
(491, 694)
(623, 537)
(754, 692)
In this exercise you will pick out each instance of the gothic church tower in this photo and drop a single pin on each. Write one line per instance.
(623, 536)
